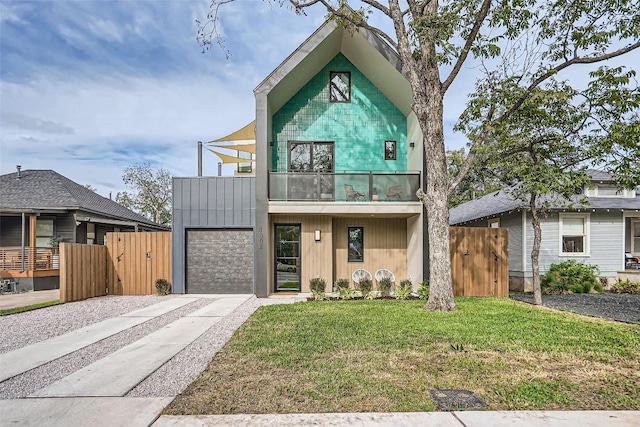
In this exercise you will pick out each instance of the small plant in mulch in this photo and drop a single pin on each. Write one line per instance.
(365, 286)
(340, 283)
(570, 276)
(423, 290)
(403, 291)
(626, 286)
(163, 287)
(317, 285)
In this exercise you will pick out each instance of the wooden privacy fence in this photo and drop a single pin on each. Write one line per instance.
(128, 264)
(83, 271)
(479, 261)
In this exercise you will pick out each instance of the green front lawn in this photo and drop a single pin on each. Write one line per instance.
(15, 310)
(383, 356)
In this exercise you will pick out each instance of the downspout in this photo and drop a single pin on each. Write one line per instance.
(24, 232)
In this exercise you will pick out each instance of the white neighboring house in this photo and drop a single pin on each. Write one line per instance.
(599, 233)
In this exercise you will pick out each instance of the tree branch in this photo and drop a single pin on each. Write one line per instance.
(555, 70)
(482, 14)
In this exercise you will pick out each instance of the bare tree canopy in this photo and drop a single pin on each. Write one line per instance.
(522, 46)
(150, 194)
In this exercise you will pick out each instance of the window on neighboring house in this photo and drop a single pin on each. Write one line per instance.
(340, 86)
(356, 244)
(389, 150)
(574, 234)
(494, 223)
(44, 232)
(244, 167)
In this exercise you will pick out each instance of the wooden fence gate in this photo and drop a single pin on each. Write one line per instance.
(479, 261)
(128, 264)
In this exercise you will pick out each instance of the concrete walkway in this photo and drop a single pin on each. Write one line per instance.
(94, 395)
(23, 299)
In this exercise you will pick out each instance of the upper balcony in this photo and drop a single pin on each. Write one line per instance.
(369, 186)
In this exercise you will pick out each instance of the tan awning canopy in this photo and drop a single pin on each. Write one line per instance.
(247, 148)
(230, 159)
(247, 133)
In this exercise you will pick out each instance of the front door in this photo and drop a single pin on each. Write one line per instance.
(287, 257)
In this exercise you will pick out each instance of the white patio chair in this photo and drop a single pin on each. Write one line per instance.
(360, 274)
(384, 273)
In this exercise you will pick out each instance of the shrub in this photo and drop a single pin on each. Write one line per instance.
(384, 286)
(317, 285)
(626, 287)
(570, 276)
(423, 290)
(365, 286)
(341, 283)
(163, 287)
(403, 291)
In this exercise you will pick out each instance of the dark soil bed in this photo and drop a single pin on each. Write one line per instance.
(620, 307)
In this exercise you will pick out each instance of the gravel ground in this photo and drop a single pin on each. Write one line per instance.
(620, 307)
(175, 375)
(22, 329)
(24, 384)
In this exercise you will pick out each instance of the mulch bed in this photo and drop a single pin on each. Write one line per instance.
(619, 307)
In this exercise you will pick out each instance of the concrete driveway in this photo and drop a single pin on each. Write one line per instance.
(23, 299)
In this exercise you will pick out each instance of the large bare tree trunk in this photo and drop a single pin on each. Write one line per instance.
(535, 251)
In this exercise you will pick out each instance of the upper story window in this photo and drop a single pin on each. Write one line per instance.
(389, 150)
(608, 190)
(574, 234)
(245, 167)
(340, 86)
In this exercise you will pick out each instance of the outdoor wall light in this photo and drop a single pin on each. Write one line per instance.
(317, 235)
(412, 144)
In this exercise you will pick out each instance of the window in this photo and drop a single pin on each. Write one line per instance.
(635, 241)
(356, 244)
(44, 232)
(494, 223)
(340, 86)
(574, 234)
(244, 167)
(389, 150)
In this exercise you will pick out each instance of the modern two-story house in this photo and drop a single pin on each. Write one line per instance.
(338, 160)
(604, 232)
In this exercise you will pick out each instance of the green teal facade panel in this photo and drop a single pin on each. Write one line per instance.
(358, 128)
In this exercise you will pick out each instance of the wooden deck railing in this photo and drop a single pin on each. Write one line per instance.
(35, 258)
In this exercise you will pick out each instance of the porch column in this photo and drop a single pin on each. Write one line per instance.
(32, 230)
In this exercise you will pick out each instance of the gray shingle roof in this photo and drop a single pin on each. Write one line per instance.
(500, 202)
(47, 189)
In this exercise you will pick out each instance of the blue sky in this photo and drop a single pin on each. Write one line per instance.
(90, 87)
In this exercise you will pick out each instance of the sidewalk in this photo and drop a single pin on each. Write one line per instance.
(22, 299)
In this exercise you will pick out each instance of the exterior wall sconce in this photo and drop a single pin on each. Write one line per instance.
(412, 144)
(271, 143)
(317, 235)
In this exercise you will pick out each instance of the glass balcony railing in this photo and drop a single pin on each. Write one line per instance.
(344, 186)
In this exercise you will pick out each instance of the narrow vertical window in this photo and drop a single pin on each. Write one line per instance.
(340, 86)
(389, 150)
(356, 244)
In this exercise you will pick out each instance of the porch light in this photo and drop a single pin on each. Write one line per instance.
(412, 144)
(317, 235)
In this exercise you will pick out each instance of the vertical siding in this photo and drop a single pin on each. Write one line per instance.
(208, 202)
(385, 246)
(359, 128)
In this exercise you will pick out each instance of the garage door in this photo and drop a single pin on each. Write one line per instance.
(219, 261)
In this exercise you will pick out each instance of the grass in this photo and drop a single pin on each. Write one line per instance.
(383, 356)
(14, 310)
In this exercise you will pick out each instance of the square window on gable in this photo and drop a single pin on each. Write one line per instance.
(340, 86)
